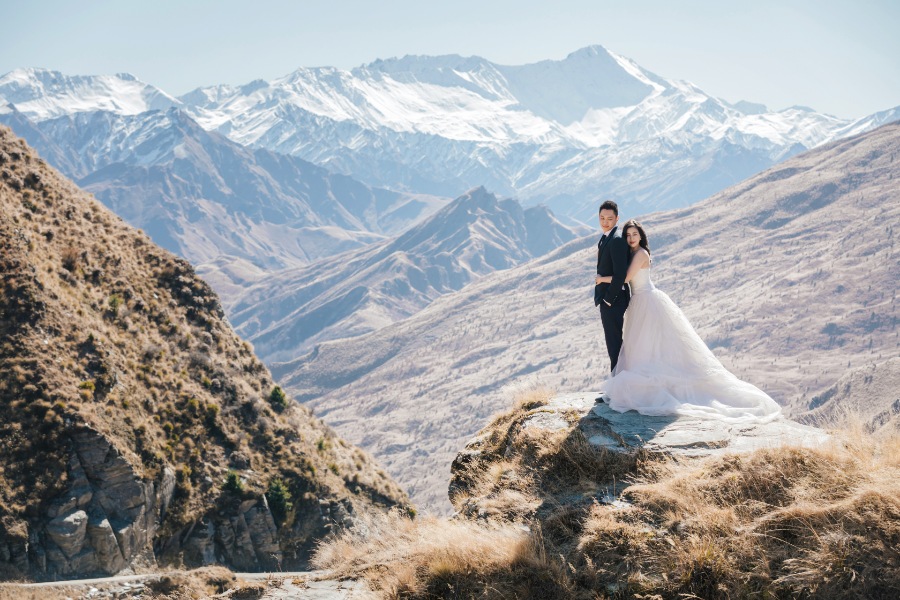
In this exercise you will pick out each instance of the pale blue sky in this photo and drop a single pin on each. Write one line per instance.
(837, 56)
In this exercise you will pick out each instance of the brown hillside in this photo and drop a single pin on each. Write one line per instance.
(135, 424)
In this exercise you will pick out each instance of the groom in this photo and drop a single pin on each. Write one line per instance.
(612, 298)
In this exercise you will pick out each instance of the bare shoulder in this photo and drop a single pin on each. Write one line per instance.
(641, 256)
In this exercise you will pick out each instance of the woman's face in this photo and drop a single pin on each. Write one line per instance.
(633, 238)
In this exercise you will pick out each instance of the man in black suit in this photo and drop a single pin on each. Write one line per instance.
(612, 298)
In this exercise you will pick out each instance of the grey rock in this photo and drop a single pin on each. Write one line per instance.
(106, 546)
(199, 548)
(263, 534)
(672, 434)
(166, 490)
(68, 532)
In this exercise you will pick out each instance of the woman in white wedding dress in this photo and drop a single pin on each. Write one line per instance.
(664, 367)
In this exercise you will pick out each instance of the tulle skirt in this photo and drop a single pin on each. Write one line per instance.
(665, 368)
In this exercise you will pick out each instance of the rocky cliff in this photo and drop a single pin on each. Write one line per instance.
(136, 427)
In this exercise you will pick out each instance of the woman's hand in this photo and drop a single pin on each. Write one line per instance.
(604, 279)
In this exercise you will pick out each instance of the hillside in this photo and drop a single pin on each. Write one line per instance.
(360, 291)
(136, 427)
(790, 277)
(869, 394)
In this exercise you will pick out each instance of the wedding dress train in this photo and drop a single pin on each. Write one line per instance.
(665, 368)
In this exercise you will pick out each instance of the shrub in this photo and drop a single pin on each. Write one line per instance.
(113, 303)
(279, 498)
(70, 257)
(233, 483)
(278, 399)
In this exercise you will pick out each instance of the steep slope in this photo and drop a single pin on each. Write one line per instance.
(870, 394)
(206, 198)
(363, 290)
(136, 427)
(790, 277)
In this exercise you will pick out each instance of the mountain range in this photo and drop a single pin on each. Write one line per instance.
(790, 277)
(561, 132)
(210, 200)
(362, 290)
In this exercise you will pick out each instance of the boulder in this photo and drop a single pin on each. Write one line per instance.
(68, 532)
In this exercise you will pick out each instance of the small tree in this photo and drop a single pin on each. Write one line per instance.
(278, 399)
(279, 497)
(233, 483)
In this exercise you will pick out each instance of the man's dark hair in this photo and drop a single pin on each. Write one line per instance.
(610, 205)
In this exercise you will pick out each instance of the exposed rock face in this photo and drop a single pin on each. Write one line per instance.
(104, 521)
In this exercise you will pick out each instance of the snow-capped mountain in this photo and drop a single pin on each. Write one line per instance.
(563, 132)
(41, 94)
(363, 290)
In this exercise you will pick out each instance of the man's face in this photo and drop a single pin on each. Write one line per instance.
(608, 219)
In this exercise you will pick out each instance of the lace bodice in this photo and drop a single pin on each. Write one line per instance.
(641, 282)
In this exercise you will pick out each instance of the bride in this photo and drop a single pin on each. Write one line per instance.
(664, 367)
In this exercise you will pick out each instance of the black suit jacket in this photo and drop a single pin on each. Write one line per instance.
(612, 259)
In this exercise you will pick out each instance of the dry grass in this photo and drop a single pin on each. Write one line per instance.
(817, 523)
(195, 584)
(440, 558)
(776, 523)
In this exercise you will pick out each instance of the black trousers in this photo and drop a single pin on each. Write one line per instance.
(613, 318)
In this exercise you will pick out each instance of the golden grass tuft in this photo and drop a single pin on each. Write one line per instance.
(435, 557)
(194, 584)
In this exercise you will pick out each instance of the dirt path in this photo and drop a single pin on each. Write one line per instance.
(298, 585)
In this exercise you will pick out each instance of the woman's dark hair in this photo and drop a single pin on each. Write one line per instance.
(644, 243)
(610, 205)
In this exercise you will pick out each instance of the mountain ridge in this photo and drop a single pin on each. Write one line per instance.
(559, 132)
(362, 290)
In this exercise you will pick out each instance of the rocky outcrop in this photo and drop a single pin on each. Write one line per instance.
(247, 541)
(580, 419)
(109, 520)
(675, 435)
(103, 522)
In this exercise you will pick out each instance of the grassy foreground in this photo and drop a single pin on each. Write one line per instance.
(776, 523)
